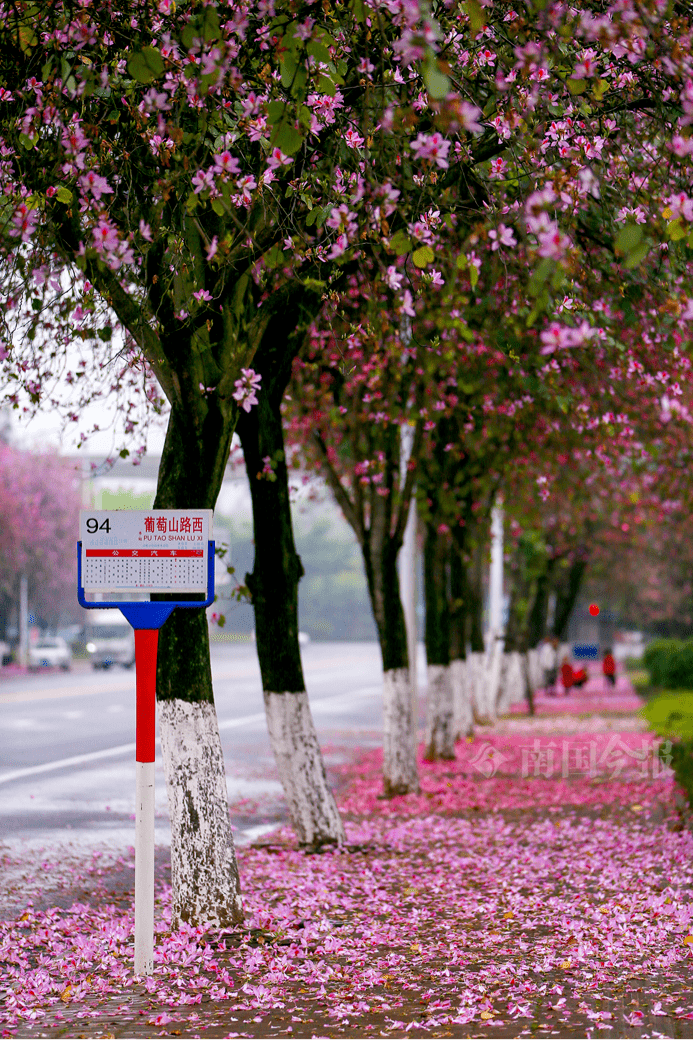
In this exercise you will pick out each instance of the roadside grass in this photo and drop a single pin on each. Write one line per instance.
(669, 715)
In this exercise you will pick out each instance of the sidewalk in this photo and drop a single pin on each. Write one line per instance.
(528, 890)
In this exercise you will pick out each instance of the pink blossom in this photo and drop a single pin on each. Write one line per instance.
(353, 139)
(24, 222)
(341, 217)
(96, 184)
(497, 168)
(680, 205)
(246, 388)
(338, 247)
(203, 180)
(225, 162)
(432, 148)
(553, 243)
(277, 158)
(393, 278)
(502, 236)
(681, 146)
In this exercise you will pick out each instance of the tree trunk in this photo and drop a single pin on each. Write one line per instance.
(462, 703)
(399, 733)
(274, 587)
(477, 663)
(567, 596)
(204, 873)
(440, 740)
(537, 623)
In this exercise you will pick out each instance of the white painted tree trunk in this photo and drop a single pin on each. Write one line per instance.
(535, 671)
(462, 700)
(513, 682)
(440, 740)
(492, 680)
(294, 742)
(204, 874)
(485, 683)
(399, 734)
(475, 669)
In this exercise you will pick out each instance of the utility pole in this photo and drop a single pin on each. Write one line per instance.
(407, 569)
(496, 577)
(407, 558)
(23, 625)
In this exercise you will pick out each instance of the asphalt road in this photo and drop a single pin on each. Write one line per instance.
(67, 743)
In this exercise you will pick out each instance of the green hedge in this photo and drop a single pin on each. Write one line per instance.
(669, 663)
(670, 716)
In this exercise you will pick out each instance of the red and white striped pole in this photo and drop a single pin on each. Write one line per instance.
(146, 640)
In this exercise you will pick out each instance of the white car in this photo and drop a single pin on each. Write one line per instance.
(50, 652)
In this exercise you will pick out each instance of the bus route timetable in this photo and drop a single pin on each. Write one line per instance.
(156, 550)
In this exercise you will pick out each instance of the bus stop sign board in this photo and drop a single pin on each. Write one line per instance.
(156, 550)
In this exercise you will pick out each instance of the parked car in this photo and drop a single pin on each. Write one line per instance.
(5, 652)
(109, 640)
(49, 652)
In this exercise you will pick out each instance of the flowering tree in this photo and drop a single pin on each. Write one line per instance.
(39, 510)
(176, 175)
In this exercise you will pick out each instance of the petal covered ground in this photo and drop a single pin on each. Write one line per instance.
(528, 890)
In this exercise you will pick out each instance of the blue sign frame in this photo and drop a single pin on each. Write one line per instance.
(586, 651)
(143, 614)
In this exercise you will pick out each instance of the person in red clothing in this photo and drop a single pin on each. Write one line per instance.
(580, 677)
(608, 666)
(567, 676)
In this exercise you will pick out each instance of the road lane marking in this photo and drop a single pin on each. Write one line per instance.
(118, 686)
(122, 749)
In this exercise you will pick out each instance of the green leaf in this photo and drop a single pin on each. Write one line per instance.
(26, 142)
(64, 195)
(461, 262)
(318, 51)
(400, 243)
(422, 256)
(475, 14)
(146, 65)
(324, 85)
(540, 275)
(287, 138)
(628, 238)
(210, 25)
(191, 33)
(599, 88)
(300, 81)
(358, 8)
(274, 257)
(437, 83)
(474, 276)
(576, 86)
(288, 65)
(219, 207)
(637, 255)
(676, 230)
(275, 111)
